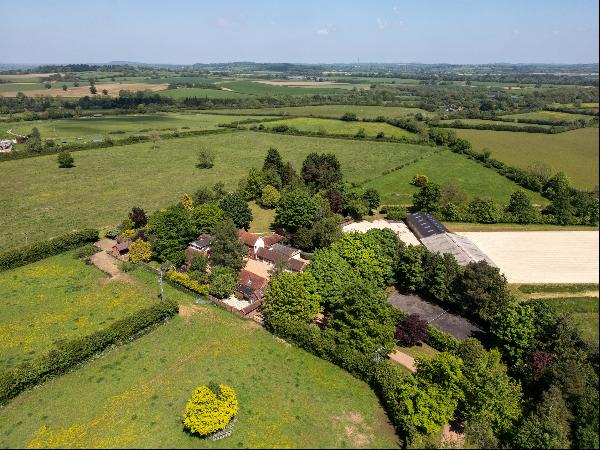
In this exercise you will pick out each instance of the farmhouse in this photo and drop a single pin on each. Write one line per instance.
(254, 242)
(250, 286)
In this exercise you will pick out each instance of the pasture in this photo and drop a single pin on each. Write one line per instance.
(105, 183)
(441, 168)
(583, 310)
(573, 152)
(83, 89)
(261, 89)
(554, 116)
(340, 127)
(60, 298)
(490, 122)
(182, 93)
(134, 395)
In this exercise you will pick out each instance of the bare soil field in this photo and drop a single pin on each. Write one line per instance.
(542, 256)
(80, 91)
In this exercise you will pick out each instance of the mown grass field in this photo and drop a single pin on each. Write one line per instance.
(548, 115)
(116, 127)
(340, 127)
(134, 395)
(584, 311)
(574, 152)
(441, 168)
(60, 298)
(39, 200)
(262, 218)
(331, 111)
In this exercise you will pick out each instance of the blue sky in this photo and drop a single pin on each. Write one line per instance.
(308, 31)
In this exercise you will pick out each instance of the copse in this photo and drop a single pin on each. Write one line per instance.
(319, 171)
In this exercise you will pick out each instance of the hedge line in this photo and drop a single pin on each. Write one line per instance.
(507, 127)
(68, 354)
(27, 254)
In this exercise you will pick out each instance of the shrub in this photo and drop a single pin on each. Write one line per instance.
(270, 197)
(185, 281)
(140, 251)
(210, 409)
(395, 213)
(411, 330)
(126, 266)
(349, 117)
(138, 217)
(34, 252)
(65, 160)
(86, 251)
(360, 134)
(420, 180)
(206, 159)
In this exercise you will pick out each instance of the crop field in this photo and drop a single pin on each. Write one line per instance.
(574, 152)
(60, 298)
(329, 126)
(441, 168)
(312, 84)
(83, 89)
(105, 183)
(548, 115)
(332, 111)
(491, 122)
(584, 311)
(202, 93)
(134, 395)
(8, 89)
(89, 128)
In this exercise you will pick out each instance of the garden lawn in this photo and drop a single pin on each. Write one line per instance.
(262, 218)
(60, 298)
(340, 127)
(38, 200)
(134, 395)
(443, 167)
(584, 311)
(331, 111)
(573, 152)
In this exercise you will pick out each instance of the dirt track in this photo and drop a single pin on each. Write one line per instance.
(542, 256)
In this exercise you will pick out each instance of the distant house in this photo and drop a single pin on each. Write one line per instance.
(200, 246)
(250, 286)
(6, 146)
(121, 248)
(254, 242)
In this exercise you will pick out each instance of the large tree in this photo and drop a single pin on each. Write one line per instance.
(320, 171)
(236, 208)
(226, 249)
(291, 297)
(274, 161)
(521, 208)
(428, 198)
(206, 216)
(333, 274)
(296, 209)
(171, 230)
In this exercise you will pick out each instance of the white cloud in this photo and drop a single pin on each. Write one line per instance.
(326, 30)
(381, 23)
(223, 22)
(396, 9)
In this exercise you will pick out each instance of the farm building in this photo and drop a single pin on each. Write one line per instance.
(254, 242)
(250, 286)
(272, 257)
(423, 225)
(6, 146)
(461, 247)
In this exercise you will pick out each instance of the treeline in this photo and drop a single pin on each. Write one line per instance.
(503, 127)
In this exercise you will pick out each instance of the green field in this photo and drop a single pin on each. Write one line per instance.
(441, 168)
(105, 183)
(332, 111)
(548, 115)
(89, 128)
(134, 395)
(574, 152)
(202, 93)
(261, 89)
(584, 311)
(491, 122)
(262, 218)
(340, 127)
(60, 298)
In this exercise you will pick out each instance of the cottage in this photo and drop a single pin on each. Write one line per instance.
(250, 286)
(6, 146)
(288, 252)
(121, 248)
(200, 246)
(254, 242)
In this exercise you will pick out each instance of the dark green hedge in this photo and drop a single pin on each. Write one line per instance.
(27, 254)
(68, 354)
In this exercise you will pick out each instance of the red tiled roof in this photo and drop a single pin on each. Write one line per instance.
(270, 255)
(248, 238)
(272, 239)
(297, 265)
(251, 280)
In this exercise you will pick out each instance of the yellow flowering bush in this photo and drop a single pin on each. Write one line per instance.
(128, 233)
(188, 204)
(139, 251)
(209, 411)
(185, 280)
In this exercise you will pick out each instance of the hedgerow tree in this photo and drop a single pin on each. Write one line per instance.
(140, 250)
(295, 209)
(205, 216)
(236, 208)
(427, 198)
(171, 230)
(484, 210)
(210, 409)
(226, 249)
(521, 208)
(34, 141)
(292, 297)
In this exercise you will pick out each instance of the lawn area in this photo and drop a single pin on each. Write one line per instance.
(105, 183)
(329, 126)
(134, 395)
(117, 127)
(548, 115)
(441, 168)
(202, 93)
(419, 351)
(331, 111)
(59, 298)
(262, 218)
(584, 311)
(562, 288)
(573, 152)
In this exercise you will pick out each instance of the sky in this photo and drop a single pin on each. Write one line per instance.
(307, 31)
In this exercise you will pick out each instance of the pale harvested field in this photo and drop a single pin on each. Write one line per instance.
(80, 91)
(542, 256)
(400, 228)
(302, 83)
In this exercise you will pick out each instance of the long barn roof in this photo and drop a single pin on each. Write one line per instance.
(424, 224)
(461, 247)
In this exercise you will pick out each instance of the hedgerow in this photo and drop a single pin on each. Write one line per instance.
(184, 280)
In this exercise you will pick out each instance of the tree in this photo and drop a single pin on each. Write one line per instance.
(140, 250)
(253, 185)
(561, 208)
(332, 274)
(441, 272)
(295, 209)
(409, 269)
(558, 184)
(187, 202)
(320, 171)
(206, 159)
(171, 230)
(291, 297)
(47, 85)
(273, 161)
(361, 133)
(326, 231)
(420, 180)
(206, 216)
(236, 208)
(270, 197)
(452, 193)
(153, 137)
(210, 409)
(226, 249)
(411, 330)
(65, 160)
(289, 177)
(371, 196)
(223, 281)
(484, 210)
(64, 87)
(515, 330)
(104, 91)
(34, 141)
(445, 372)
(138, 217)
(521, 208)
(198, 267)
(349, 117)
(93, 90)
(427, 198)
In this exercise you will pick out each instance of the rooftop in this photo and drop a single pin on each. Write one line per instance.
(424, 224)
(461, 247)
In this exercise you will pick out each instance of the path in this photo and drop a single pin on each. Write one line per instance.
(108, 263)
(404, 360)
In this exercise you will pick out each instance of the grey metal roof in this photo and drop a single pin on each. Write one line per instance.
(461, 247)
(424, 224)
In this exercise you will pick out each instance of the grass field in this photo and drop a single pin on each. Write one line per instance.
(89, 128)
(59, 298)
(441, 168)
(332, 111)
(261, 89)
(83, 89)
(202, 93)
(262, 218)
(584, 311)
(329, 126)
(534, 288)
(106, 183)
(574, 152)
(548, 115)
(464, 226)
(133, 396)
(491, 122)
(419, 351)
